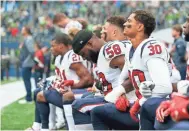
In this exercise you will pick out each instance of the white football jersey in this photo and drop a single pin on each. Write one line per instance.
(136, 60)
(107, 75)
(63, 63)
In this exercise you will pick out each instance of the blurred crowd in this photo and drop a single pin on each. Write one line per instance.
(17, 14)
(38, 15)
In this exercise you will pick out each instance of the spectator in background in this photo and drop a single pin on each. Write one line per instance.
(178, 51)
(27, 62)
(186, 33)
(39, 62)
(14, 30)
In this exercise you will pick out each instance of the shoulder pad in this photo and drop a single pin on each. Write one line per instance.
(154, 49)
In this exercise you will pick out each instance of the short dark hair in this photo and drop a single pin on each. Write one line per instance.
(97, 32)
(178, 28)
(62, 38)
(147, 19)
(58, 17)
(117, 20)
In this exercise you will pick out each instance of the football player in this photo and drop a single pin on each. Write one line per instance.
(108, 70)
(109, 116)
(70, 72)
(65, 24)
(148, 63)
(110, 60)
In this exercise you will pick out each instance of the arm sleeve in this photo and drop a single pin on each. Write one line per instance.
(160, 77)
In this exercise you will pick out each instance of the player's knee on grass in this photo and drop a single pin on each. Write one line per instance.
(41, 97)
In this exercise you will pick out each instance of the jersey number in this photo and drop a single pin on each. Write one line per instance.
(112, 50)
(75, 57)
(107, 87)
(61, 75)
(137, 74)
(155, 49)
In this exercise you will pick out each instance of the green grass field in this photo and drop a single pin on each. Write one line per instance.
(17, 116)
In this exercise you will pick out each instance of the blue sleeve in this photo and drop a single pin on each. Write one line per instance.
(181, 48)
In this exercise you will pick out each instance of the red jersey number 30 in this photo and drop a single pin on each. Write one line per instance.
(155, 49)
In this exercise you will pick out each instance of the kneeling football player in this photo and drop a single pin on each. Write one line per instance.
(70, 72)
(110, 60)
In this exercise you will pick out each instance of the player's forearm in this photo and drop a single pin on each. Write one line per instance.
(83, 83)
(128, 86)
(124, 74)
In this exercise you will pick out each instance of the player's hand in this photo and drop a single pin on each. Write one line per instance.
(146, 88)
(163, 110)
(68, 82)
(122, 103)
(115, 94)
(179, 104)
(134, 110)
